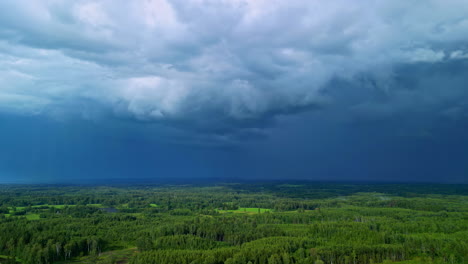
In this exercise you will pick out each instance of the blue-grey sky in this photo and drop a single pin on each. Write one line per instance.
(367, 90)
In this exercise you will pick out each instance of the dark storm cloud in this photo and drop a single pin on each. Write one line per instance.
(235, 62)
(362, 90)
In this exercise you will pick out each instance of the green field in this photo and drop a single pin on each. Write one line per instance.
(32, 217)
(112, 256)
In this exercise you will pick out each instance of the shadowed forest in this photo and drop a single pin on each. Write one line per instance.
(274, 223)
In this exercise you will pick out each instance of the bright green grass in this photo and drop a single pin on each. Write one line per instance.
(246, 210)
(97, 205)
(32, 217)
(153, 205)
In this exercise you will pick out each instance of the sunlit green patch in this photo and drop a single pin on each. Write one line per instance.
(32, 216)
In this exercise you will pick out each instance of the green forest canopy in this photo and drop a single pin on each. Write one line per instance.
(234, 223)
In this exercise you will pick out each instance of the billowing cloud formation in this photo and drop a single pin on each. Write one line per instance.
(216, 63)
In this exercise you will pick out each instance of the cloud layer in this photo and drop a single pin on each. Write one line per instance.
(228, 65)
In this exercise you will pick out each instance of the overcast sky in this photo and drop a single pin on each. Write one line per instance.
(335, 90)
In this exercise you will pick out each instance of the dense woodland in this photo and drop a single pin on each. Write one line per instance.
(235, 223)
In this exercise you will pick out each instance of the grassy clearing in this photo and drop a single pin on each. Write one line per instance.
(32, 216)
(4, 259)
(153, 205)
(58, 206)
(138, 215)
(246, 210)
(115, 256)
(29, 216)
(96, 205)
(417, 260)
